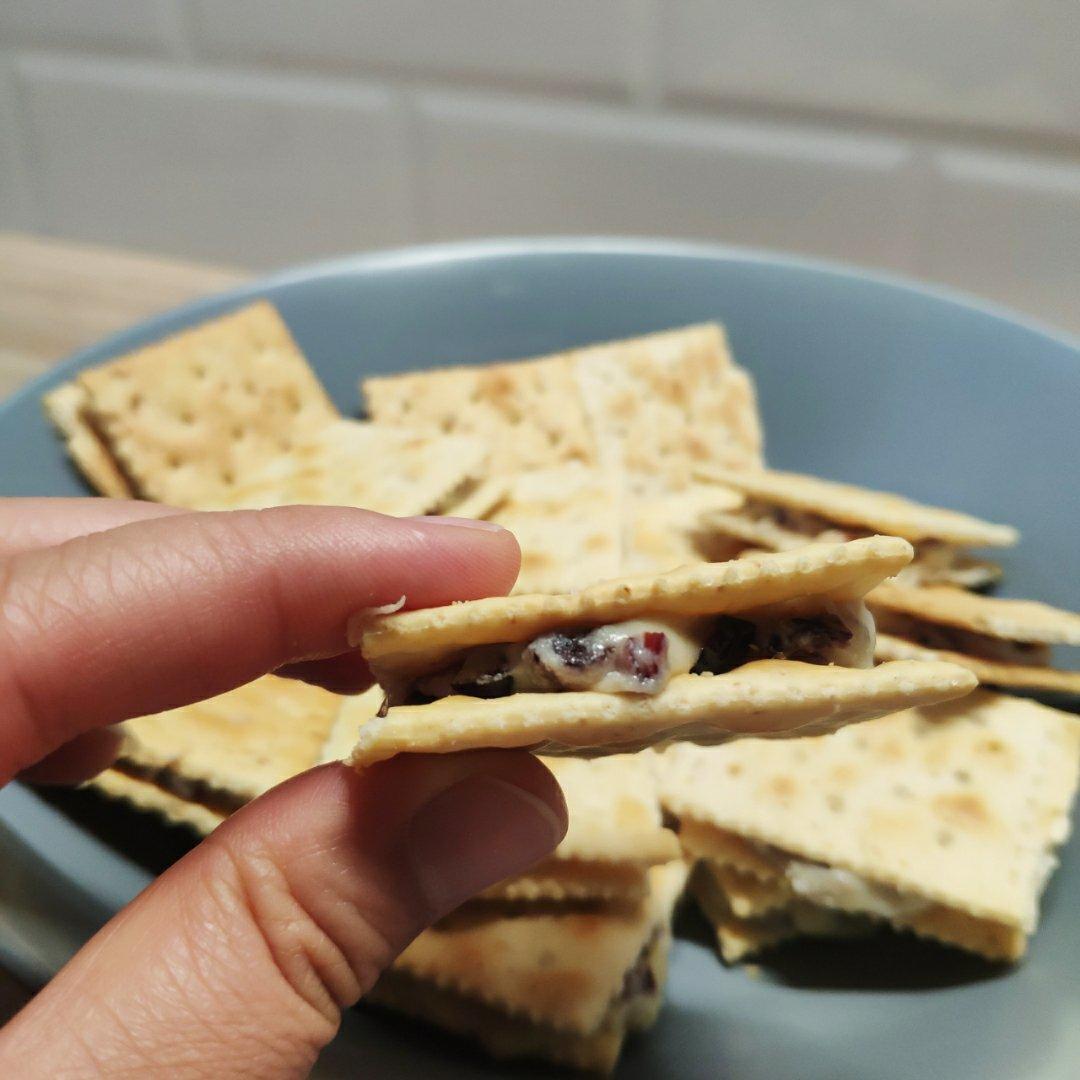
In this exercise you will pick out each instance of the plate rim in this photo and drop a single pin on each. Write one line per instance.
(381, 260)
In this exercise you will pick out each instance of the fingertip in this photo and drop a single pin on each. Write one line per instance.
(477, 544)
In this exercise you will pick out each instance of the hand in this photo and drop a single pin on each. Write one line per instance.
(238, 960)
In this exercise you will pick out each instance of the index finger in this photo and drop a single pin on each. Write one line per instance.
(161, 613)
(30, 523)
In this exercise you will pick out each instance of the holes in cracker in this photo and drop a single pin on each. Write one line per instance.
(944, 838)
(173, 461)
(135, 400)
(285, 445)
(199, 371)
(902, 791)
(835, 802)
(237, 432)
(228, 477)
(187, 417)
(962, 776)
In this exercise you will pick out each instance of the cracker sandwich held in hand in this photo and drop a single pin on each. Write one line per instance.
(768, 645)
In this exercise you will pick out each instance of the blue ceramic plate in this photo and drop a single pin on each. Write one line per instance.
(860, 378)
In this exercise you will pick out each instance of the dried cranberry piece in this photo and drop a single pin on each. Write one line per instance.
(643, 657)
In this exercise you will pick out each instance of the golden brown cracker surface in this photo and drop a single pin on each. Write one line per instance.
(876, 511)
(237, 744)
(193, 414)
(1016, 620)
(351, 463)
(837, 571)
(559, 970)
(65, 406)
(566, 520)
(960, 804)
(989, 672)
(153, 798)
(765, 698)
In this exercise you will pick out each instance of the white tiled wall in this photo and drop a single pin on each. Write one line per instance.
(936, 137)
(986, 62)
(246, 170)
(106, 25)
(558, 43)
(513, 166)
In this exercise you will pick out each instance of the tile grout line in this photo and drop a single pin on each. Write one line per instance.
(176, 30)
(642, 87)
(414, 164)
(641, 50)
(22, 167)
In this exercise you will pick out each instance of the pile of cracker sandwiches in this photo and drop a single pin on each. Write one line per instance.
(758, 690)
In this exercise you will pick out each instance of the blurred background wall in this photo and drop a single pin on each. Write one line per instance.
(936, 137)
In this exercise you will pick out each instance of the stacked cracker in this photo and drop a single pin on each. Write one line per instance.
(637, 456)
(942, 821)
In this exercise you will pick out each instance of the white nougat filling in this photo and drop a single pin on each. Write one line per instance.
(841, 890)
(641, 656)
(541, 662)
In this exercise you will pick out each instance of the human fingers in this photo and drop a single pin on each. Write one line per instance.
(238, 960)
(30, 523)
(159, 613)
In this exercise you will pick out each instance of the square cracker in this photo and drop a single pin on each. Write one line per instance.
(959, 805)
(566, 521)
(351, 463)
(863, 508)
(573, 881)
(563, 971)
(667, 404)
(511, 1038)
(768, 698)
(193, 413)
(648, 408)
(995, 617)
(150, 797)
(1013, 620)
(419, 640)
(888, 648)
(353, 712)
(740, 937)
(233, 747)
(614, 812)
(528, 413)
(615, 834)
(66, 407)
(665, 532)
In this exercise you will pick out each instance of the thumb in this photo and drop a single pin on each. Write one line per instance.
(238, 960)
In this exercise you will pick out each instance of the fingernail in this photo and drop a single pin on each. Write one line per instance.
(477, 833)
(461, 523)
